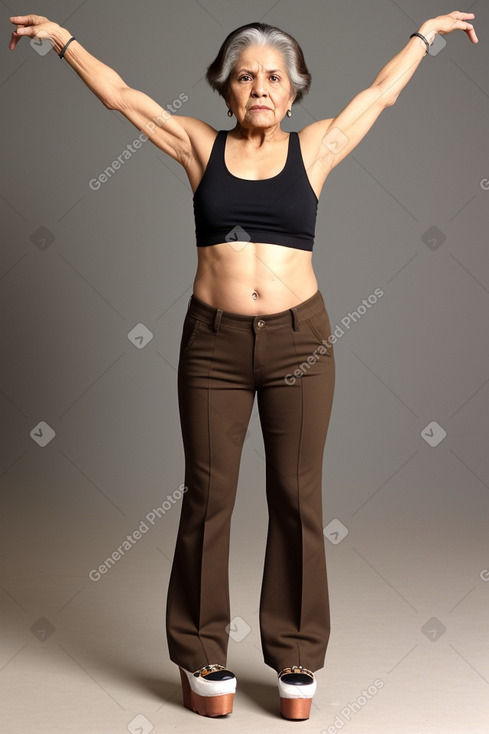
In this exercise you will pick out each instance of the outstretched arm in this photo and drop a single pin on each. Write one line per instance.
(396, 74)
(99, 77)
(338, 136)
(168, 132)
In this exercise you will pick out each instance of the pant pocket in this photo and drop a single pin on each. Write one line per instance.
(320, 327)
(189, 332)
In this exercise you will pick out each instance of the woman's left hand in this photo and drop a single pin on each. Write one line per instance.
(456, 20)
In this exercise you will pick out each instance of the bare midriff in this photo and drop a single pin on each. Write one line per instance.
(254, 277)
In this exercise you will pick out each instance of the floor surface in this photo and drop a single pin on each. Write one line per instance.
(89, 656)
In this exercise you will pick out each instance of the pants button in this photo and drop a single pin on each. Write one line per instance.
(260, 323)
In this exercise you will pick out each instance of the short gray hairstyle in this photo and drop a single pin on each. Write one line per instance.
(259, 34)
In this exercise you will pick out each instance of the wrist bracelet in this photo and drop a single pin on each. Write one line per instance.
(62, 52)
(423, 39)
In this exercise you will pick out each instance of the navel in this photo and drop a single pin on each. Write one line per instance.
(254, 295)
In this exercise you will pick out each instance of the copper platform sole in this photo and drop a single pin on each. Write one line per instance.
(295, 708)
(205, 705)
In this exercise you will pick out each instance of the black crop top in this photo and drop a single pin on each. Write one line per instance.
(280, 210)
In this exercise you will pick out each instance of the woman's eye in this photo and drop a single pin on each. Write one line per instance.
(247, 76)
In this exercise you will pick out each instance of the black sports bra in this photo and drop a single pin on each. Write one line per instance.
(280, 210)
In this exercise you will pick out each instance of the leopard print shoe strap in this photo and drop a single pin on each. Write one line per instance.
(296, 669)
(208, 669)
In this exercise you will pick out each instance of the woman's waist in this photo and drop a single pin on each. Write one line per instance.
(256, 281)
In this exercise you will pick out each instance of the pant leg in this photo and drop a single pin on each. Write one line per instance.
(294, 414)
(216, 396)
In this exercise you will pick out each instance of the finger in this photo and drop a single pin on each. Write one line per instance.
(14, 40)
(23, 31)
(26, 19)
(470, 30)
(463, 26)
(20, 20)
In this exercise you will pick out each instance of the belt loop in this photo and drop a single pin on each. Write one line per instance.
(295, 318)
(217, 319)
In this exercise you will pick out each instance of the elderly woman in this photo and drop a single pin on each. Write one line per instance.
(255, 322)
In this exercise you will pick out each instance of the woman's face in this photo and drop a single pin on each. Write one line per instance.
(259, 78)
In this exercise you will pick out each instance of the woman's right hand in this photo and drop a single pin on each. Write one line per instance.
(33, 26)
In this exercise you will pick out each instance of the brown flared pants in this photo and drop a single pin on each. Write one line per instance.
(288, 360)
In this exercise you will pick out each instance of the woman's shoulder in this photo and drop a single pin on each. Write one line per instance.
(314, 132)
(197, 130)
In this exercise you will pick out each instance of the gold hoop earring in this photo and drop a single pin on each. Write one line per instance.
(289, 113)
(230, 112)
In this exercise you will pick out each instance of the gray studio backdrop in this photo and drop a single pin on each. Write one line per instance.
(94, 286)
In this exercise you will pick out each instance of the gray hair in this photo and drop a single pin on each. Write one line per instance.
(259, 34)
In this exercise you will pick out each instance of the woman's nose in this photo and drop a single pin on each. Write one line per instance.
(258, 87)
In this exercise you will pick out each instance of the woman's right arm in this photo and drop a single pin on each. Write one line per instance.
(170, 133)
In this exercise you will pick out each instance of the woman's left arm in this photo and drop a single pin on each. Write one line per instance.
(399, 70)
(338, 136)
